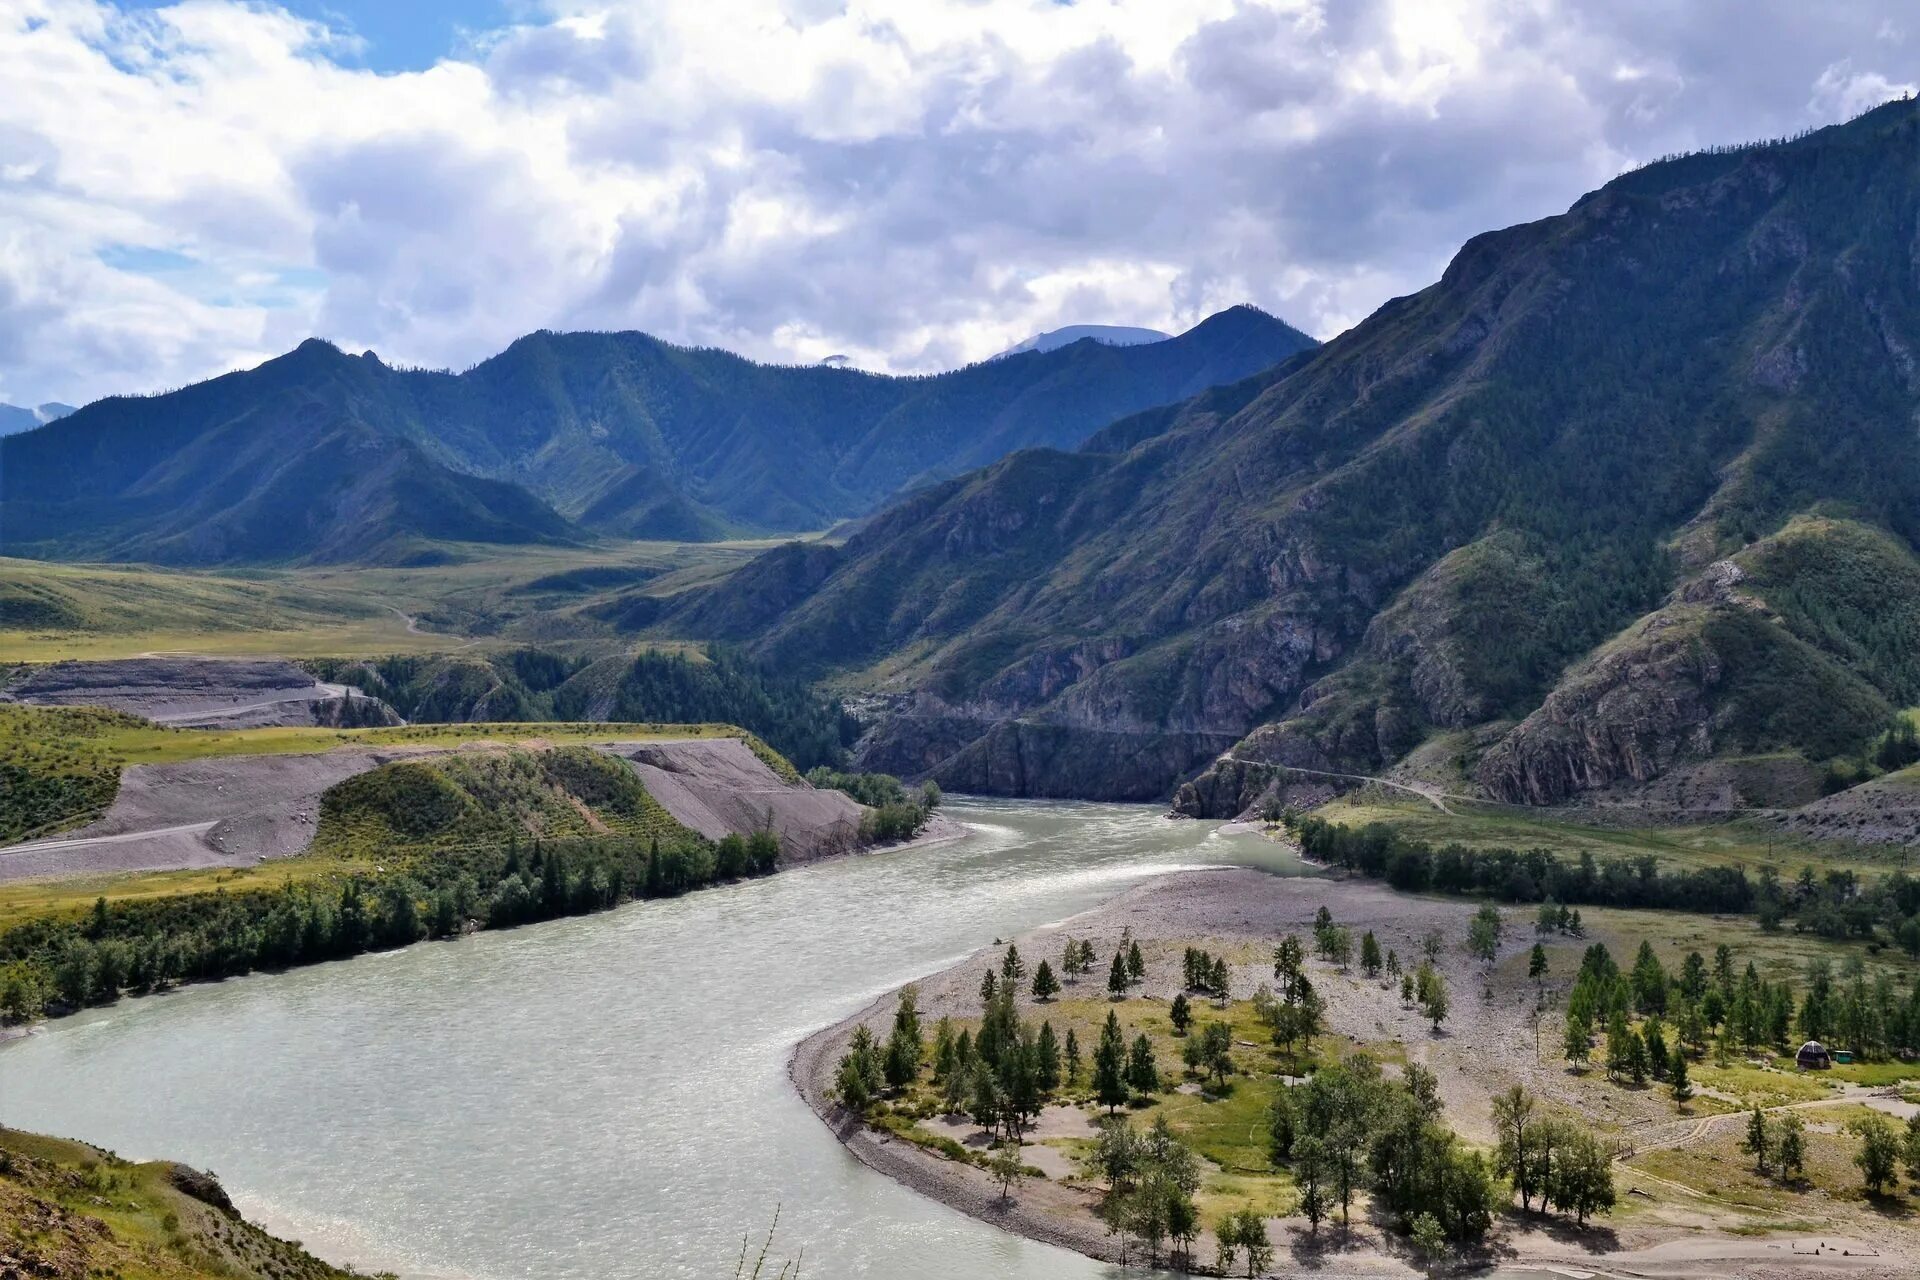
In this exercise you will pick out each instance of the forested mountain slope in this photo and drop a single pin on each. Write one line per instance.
(319, 456)
(1503, 501)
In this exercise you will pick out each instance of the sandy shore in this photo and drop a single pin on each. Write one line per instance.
(1489, 1044)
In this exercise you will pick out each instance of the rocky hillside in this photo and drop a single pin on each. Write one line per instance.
(1584, 496)
(319, 456)
(653, 687)
(73, 1212)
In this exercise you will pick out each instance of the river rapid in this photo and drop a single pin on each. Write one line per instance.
(598, 1097)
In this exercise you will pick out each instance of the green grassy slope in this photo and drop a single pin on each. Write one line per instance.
(487, 798)
(73, 1212)
(62, 764)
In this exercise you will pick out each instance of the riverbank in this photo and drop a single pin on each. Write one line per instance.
(70, 943)
(1660, 1228)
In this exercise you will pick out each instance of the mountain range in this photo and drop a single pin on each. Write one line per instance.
(323, 457)
(1625, 503)
(14, 418)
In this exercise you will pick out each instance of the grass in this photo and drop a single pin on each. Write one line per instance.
(61, 765)
(1704, 844)
(1782, 954)
(1228, 1129)
(73, 1210)
(481, 800)
(70, 898)
(482, 596)
(1760, 1086)
(1715, 1167)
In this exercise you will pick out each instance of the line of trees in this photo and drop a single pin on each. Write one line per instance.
(1654, 1019)
(58, 966)
(1832, 904)
(895, 811)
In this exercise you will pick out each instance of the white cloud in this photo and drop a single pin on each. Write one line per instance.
(188, 189)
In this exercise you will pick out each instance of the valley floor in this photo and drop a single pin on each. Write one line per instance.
(1684, 1207)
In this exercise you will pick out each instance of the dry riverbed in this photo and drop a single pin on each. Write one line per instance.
(1661, 1227)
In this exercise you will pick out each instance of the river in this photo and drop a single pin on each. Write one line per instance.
(599, 1097)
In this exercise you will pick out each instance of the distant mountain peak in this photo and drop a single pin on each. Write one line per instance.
(1109, 335)
(22, 418)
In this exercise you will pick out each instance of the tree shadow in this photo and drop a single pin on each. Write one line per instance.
(1593, 1237)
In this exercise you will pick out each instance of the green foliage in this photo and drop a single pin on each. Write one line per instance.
(487, 797)
(1778, 693)
(147, 944)
(76, 1211)
(1850, 591)
(720, 686)
(1879, 1154)
(896, 812)
(56, 769)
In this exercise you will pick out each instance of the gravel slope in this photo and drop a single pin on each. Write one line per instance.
(190, 693)
(241, 810)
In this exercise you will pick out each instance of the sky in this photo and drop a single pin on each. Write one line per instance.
(193, 187)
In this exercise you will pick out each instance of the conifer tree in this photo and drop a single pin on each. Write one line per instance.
(1012, 967)
(1757, 1142)
(1136, 963)
(1181, 1014)
(1045, 985)
(1143, 1073)
(1110, 1065)
(1046, 1059)
(1677, 1078)
(1117, 976)
(1370, 954)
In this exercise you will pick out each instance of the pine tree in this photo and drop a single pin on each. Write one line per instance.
(1578, 1043)
(1181, 1014)
(1073, 1057)
(1435, 1001)
(1637, 1062)
(1677, 1077)
(1012, 967)
(1046, 1058)
(1756, 1142)
(905, 1048)
(1136, 963)
(1143, 1073)
(1117, 976)
(1537, 964)
(1110, 1064)
(1045, 985)
(1370, 954)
